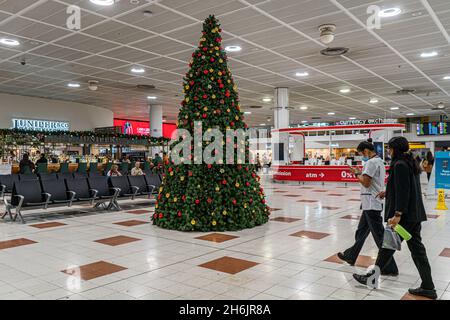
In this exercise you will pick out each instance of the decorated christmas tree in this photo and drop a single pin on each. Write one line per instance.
(218, 196)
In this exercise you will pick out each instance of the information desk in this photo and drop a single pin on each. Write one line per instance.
(301, 173)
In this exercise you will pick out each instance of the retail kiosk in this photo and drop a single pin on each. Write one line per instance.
(291, 163)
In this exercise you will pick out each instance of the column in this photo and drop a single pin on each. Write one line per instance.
(156, 120)
(280, 140)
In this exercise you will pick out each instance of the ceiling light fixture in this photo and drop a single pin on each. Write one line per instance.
(446, 78)
(262, 124)
(73, 85)
(327, 33)
(302, 74)
(267, 99)
(152, 98)
(247, 112)
(389, 12)
(304, 108)
(395, 108)
(233, 48)
(304, 121)
(441, 105)
(345, 90)
(138, 70)
(428, 54)
(331, 113)
(373, 100)
(352, 118)
(9, 42)
(103, 2)
(410, 114)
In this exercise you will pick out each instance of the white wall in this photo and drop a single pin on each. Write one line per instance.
(80, 116)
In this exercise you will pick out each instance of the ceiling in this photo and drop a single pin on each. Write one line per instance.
(278, 39)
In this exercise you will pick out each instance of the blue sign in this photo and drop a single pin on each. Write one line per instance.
(442, 167)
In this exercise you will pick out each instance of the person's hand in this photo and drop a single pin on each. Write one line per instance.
(381, 195)
(394, 221)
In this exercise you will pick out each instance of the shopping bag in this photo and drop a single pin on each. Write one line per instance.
(391, 239)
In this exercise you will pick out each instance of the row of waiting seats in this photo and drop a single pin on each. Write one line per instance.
(124, 167)
(48, 190)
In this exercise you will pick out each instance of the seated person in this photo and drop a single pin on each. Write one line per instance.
(42, 159)
(26, 162)
(137, 171)
(114, 172)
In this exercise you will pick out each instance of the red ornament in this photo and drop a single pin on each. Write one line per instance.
(232, 123)
(192, 82)
(205, 49)
(183, 198)
(205, 71)
(234, 201)
(170, 169)
(227, 93)
(245, 193)
(209, 200)
(224, 182)
(195, 98)
(253, 174)
(193, 54)
(218, 39)
(199, 54)
(212, 59)
(263, 201)
(161, 215)
(190, 173)
(251, 200)
(219, 80)
(179, 213)
(159, 197)
(205, 96)
(247, 184)
(197, 201)
(204, 116)
(221, 86)
(209, 166)
(246, 168)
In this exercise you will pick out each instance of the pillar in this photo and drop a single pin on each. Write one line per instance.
(156, 120)
(280, 140)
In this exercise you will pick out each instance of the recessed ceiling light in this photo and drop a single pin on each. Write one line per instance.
(138, 70)
(233, 48)
(390, 12)
(446, 78)
(352, 118)
(304, 108)
(267, 99)
(262, 124)
(73, 85)
(9, 42)
(410, 114)
(395, 108)
(247, 112)
(345, 90)
(103, 2)
(302, 74)
(373, 100)
(429, 54)
(331, 113)
(441, 105)
(304, 121)
(152, 98)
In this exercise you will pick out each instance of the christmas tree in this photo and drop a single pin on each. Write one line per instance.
(218, 196)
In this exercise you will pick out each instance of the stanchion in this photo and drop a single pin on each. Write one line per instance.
(441, 200)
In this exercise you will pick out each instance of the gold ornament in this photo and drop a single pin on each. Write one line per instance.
(224, 212)
(193, 222)
(182, 178)
(171, 173)
(214, 222)
(175, 199)
(167, 195)
(220, 60)
(187, 99)
(217, 189)
(237, 185)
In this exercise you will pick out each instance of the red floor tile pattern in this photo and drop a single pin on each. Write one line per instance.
(229, 265)
(310, 235)
(94, 270)
(15, 243)
(445, 253)
(409, 296)
(362, 261)
(351, 217)
(307, 200)
(433, 216)
(117, 241)
(131, 223)
(274, 209)
(46, 225)
(217, 237)
(139, 211)
(336, 194)
(330, 208)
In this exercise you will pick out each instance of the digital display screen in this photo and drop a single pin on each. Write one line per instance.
(142, 127)
(433, 128)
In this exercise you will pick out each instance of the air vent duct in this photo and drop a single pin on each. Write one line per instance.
(334, 52)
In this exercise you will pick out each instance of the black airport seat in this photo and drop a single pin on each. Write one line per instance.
(81, 189)
(104, 192)
(94, 174)
(28, 176)
(153, 180)
(25, 194)
(80, 175)
(141, 183)
(121, 183)
(47, 176)
(65, 176)
(58, 191)
(7, 183)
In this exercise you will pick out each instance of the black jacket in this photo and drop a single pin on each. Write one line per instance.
(404, 193)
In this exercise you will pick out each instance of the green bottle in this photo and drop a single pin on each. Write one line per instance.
(402, 232)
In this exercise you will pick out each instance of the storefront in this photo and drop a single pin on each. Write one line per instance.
(293, 162)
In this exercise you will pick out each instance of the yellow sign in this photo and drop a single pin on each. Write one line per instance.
(441, 200)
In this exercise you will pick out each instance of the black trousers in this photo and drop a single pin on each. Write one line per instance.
(370, 222)
(418, 254)
(428, 175)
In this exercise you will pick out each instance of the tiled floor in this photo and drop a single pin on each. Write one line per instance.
(82, 254)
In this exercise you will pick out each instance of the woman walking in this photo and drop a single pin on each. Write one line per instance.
(404, 205)
(427, 164)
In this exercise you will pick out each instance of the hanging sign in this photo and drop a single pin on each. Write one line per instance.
(40, 125)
